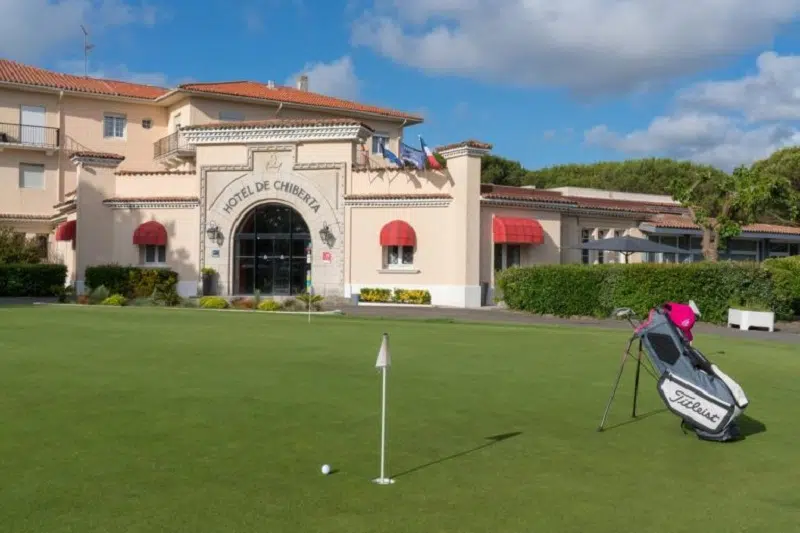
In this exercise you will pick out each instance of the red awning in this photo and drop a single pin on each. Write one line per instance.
(398, 233)
(517, 230)
(150, 233)
(66, 231)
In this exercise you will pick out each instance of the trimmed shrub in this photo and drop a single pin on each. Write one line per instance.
(375, 295)
(131, 281)
(588, 290)
(115, 299)
(409, 296)
(99, 295)
(269, 305)
(213, 302)
(785, 273)
(31, 279)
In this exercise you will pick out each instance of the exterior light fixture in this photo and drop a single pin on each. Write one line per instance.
(212, 231)
(326, 235)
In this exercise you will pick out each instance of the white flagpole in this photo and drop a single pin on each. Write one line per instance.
(383, 363)
(308, 281)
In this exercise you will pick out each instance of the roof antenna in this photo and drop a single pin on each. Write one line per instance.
(86, 48)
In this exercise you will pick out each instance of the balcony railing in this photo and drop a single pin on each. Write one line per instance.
(33, 136)
(173, 144)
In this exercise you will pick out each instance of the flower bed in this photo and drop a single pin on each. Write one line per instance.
(396, 296)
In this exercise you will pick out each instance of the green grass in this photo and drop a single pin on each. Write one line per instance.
(143, 420)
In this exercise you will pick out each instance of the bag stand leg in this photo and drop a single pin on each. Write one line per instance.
(619, 376)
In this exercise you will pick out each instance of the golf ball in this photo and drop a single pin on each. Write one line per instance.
(326, 469)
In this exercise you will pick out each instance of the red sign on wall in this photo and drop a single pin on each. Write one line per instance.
(326, 257)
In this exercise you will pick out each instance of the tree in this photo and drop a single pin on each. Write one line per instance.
(648, 176)
(722, 203)
(501, 171)
(15, 248)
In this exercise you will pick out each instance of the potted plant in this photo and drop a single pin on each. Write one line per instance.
(208, 275)
(750, 313)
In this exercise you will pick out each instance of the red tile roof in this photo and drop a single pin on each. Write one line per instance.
(278, 123)
(290, 95)
(505, 192)
(470, 143)
(21, 216)
(389, 196)
(96, 155)
(13, 72)
(682, 222)
(155, 172)
(153, 199)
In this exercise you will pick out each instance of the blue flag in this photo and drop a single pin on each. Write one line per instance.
(390, 156)
(413, 156)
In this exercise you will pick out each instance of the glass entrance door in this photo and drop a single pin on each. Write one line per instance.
(270, 252)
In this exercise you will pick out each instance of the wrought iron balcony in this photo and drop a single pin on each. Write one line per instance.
(29, 136)
(173, 145)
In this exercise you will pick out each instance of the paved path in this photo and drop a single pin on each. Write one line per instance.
(788, 332)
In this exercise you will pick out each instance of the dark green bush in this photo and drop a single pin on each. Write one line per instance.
(131, 281)
(31, 279)
(785, 273)
(585, 290)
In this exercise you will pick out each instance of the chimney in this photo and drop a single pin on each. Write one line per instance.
(271, 84)
(302, 83)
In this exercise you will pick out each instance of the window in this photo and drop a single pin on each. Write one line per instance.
(153, 255)
(31, 176)
(113, 126)
(377, 140)
(176, 122)
(231, 116)
(147, 123)
(601, 254)
(399, 257)
(507, 256)
(41, 245)
(585, 236)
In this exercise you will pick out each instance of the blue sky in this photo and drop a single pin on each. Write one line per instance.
(545, 82)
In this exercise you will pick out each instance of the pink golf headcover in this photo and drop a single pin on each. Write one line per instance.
(682, 316)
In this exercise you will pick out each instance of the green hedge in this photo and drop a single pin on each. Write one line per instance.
(596, 290)
(131, 281)
(31, 280)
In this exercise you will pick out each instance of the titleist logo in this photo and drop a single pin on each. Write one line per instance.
(687, 400)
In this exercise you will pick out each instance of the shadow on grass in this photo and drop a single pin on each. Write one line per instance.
(749, 426)
(492, 440)
(637, 418)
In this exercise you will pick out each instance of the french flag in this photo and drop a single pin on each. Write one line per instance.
(429, 155)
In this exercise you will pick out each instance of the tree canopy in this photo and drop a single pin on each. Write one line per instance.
(649, 176)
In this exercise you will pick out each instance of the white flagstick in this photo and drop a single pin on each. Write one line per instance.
(383, 362)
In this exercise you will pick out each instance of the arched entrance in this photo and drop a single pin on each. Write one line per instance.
(269, 251)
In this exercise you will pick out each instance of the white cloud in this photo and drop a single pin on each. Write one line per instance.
(116, 72)
(722, 123)
(337, 78)
(589, 46)
(31, 28)
(773, 93)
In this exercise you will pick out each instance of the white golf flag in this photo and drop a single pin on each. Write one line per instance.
(384, 359)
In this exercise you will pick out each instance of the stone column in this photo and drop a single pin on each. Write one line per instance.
(94, 232)
(464, 167)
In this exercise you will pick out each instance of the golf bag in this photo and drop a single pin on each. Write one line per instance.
(692, 387)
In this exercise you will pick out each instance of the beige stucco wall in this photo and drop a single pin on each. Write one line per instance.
(14, 199)
(547, 253)
(83, 123)
(182, 239)
(155, 185)
(11, 103)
